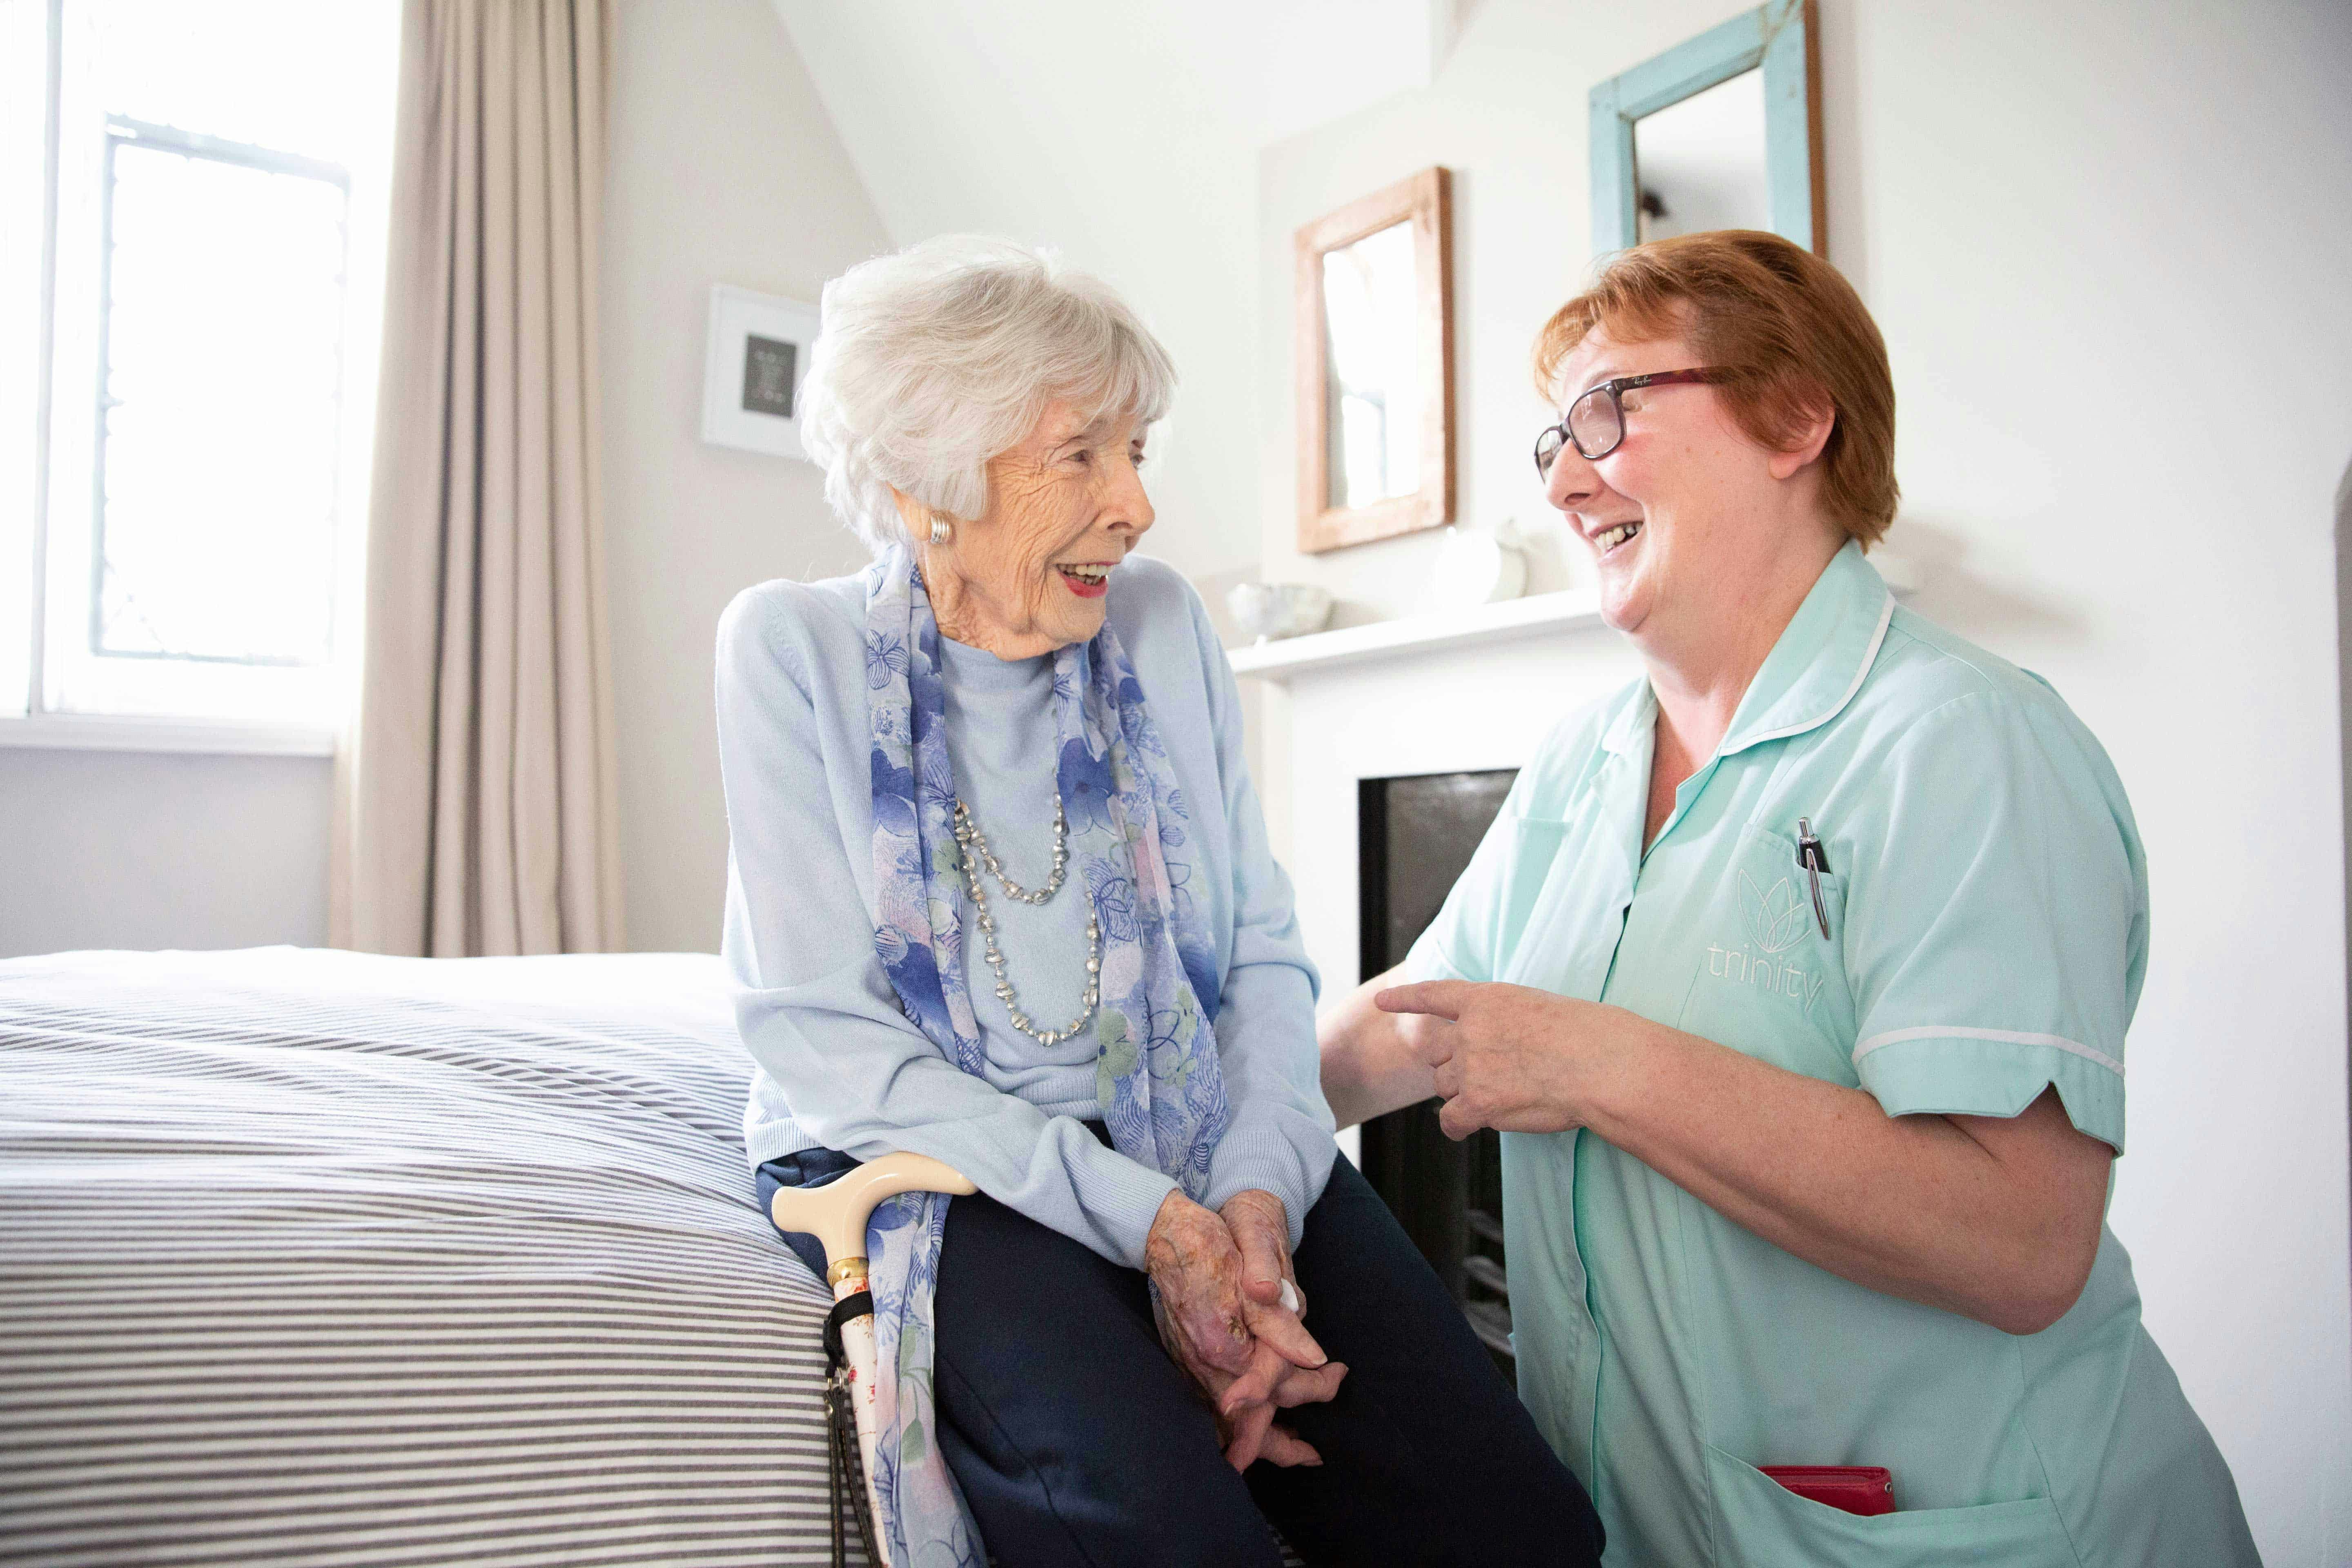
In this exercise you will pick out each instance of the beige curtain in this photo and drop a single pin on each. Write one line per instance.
(476, 792)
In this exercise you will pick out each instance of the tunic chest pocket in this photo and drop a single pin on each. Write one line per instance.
(1765, 979)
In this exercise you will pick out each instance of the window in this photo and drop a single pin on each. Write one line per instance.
(195, 205)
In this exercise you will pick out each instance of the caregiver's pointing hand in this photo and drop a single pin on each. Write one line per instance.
(1512, 1057)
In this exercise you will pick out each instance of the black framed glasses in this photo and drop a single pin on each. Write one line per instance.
(1596, 420)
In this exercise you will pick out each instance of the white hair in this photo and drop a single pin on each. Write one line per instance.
(941, 356)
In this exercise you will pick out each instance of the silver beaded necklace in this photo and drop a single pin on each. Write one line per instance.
(973, 853)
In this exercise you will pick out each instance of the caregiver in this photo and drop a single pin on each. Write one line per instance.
(999, 892)
(1797, 976)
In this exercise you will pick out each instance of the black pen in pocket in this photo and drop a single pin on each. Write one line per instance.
(1810, 856)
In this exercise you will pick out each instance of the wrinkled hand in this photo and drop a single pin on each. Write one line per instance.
(1294, 1366)
(1511, 1056)
(1205, 1318)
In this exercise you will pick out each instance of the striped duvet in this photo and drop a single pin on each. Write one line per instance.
(311, 1257)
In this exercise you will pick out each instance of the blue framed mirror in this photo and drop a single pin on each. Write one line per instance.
(1723, 131)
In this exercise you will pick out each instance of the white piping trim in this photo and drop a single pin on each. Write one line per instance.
(2006, 1037)
(1869, 658)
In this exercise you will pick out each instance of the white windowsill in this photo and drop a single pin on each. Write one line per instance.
(112, 733)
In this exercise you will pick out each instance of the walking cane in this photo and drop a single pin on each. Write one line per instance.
(836, 1214)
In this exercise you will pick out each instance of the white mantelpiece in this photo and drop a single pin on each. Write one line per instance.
(1450, 631)
(1437, 632)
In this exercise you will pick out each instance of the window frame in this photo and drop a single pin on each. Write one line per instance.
(29, 46)
(122, 130)
(51, 474)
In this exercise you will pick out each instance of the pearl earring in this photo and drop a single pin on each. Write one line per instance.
(941, 531)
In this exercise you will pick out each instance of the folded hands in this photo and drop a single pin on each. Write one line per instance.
(1223, 1277)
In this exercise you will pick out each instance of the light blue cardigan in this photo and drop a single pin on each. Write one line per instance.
(839, 1065)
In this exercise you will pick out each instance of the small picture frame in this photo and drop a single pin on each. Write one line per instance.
(755, 360)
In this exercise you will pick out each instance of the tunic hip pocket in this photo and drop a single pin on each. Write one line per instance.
(1765, 1525)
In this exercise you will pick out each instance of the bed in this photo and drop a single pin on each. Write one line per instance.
(313, 1257)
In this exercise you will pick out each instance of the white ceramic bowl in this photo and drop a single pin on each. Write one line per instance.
(1266, 610)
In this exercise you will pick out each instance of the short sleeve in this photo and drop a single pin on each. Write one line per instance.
(1996, 922)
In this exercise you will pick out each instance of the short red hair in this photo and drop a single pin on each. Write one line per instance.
(1785, 327)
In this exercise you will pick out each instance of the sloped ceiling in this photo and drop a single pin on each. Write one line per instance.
(1125, 133)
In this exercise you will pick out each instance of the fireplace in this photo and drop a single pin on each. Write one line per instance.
(1415, 834)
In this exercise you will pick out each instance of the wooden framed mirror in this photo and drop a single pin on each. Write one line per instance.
(1723, 131)
(1374, 304)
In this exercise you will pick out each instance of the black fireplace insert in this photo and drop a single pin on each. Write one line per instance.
(1415, 836)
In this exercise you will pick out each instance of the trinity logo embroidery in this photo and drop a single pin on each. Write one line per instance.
(1775, 922)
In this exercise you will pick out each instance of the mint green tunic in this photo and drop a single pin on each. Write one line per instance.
(1987, 903)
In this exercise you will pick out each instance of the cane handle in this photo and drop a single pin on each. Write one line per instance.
(836, 1212)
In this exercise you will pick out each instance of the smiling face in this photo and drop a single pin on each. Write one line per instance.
(1065, 506)
(1689, 518)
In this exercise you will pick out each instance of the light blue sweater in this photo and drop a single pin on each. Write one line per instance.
(839, 1065)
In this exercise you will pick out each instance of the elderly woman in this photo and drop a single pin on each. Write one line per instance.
(1797, 976)
(999, 893)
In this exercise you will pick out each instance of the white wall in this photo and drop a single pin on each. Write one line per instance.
(724, 169)
(145, 850)
(1010, 119)
(2108, 246)
(1124, 136)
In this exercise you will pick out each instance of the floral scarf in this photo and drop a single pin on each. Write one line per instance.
(1157, 1075)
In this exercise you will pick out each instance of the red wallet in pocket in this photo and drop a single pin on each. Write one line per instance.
(1856, 1489)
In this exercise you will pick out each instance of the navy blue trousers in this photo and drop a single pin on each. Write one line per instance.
(1077, 1441)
